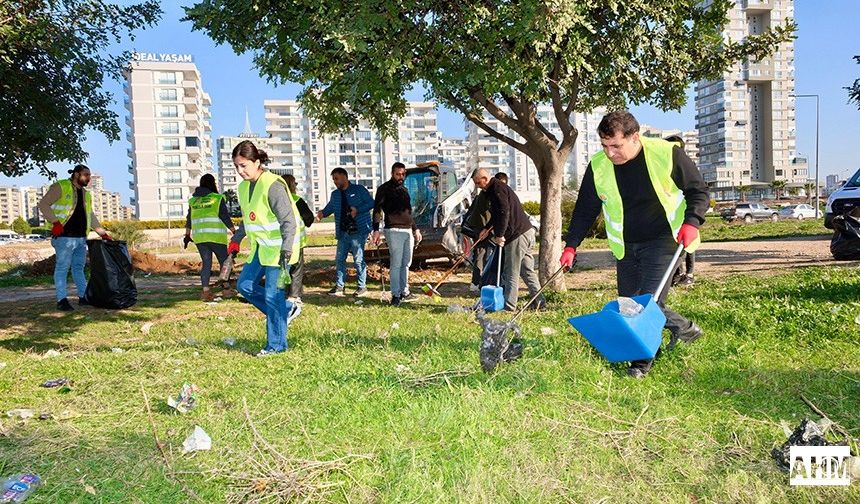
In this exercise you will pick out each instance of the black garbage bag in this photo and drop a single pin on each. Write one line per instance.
(111, 282)
(845, 244)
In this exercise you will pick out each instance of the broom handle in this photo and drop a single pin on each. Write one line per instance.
(669, 271)
(499, 272)
(456, 264)
(532, 300)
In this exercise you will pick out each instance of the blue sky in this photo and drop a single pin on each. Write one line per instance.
(824, 51)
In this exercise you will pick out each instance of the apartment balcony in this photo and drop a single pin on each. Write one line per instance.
(129, 153)
(127, 103)
(131, 169)
(192, 121)
(756, 6)
(131, 184)
(190, 104)
(758, 72)
(190, 87)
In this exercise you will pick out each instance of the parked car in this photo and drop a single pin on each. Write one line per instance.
(799, 212)
(750, 212)
(843, 200)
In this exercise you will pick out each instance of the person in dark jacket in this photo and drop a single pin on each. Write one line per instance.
(513, 235)
(351, 205)
(401, 233)
(206, 224)
(653, 199)
(297, 271)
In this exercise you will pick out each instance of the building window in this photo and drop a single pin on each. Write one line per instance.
(192, 142)
(170, 193)
(170, 177)
(169, 144)
(170, 128)
(171, 160)
(166, 77)
(169, 111)
(167, 95)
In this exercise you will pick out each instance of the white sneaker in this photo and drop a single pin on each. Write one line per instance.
(474, 288)
(265, 353)
(294, 312)
(295, 300)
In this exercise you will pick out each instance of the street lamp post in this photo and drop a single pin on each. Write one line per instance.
(817, 190)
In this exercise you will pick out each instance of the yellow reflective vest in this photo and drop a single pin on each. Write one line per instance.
(658, 159)
(261, 223)
(65, 206)
(206, 224)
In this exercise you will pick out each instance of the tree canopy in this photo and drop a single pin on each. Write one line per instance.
(357, 60)
(854, 89)
(54, 57)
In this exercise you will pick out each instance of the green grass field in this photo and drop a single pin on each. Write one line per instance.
(376, 404)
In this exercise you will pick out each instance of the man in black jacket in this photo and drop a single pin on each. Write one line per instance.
(297, 271)
(514, 235)
(401, 233)
(653, 198)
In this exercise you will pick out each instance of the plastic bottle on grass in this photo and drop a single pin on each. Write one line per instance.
(18, 487)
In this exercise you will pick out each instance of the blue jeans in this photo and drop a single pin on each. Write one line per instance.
(400, 242)
(351, 244)
(71, 253)
(269, 300)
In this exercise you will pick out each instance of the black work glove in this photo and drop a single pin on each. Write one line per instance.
(185, 241)
(284, 262)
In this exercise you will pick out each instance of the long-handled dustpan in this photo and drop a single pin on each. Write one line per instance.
(622, 338)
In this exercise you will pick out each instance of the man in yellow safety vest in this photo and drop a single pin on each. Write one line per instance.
(652, 198)
(68, 206)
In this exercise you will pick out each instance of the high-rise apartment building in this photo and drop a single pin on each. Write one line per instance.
(228, 177)
(690, 138)
(746, 119)
(169, 132)
(298, 147)
(452, 152)
(11, 204)
(487, 152)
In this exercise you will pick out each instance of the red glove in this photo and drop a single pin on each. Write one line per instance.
(567, 257)
(106, 237)
(233, 248)
(57, 229)
(687, 234)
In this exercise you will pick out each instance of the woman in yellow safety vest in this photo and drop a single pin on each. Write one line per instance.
(270, 223)
(206, 225)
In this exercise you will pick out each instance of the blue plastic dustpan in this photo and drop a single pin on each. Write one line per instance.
(493, 296)
(620, 338)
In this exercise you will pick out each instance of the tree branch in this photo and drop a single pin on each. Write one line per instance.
(561, 116)
(472, 116)
(497, 112)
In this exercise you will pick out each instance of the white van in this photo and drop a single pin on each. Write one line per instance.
(843, 200)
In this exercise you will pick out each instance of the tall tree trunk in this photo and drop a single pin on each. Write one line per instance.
(550, 168)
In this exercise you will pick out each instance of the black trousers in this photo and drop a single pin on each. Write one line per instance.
(640, 272)
(297, 273)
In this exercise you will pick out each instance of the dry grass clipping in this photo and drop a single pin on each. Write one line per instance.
(274, 477)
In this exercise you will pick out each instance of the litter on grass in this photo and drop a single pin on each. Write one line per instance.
(185, 401)
(198, 440)
(18, 487)
(58, 382)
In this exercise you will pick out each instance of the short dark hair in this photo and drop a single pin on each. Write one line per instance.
(613, 122)
(397, 165)
(502, 176)
(339, 171)
(79, 168)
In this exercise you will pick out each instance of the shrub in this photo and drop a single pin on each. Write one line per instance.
(20, 226)
(532, 207)
(127, 231)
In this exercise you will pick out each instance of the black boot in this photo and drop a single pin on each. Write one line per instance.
(65, 305)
